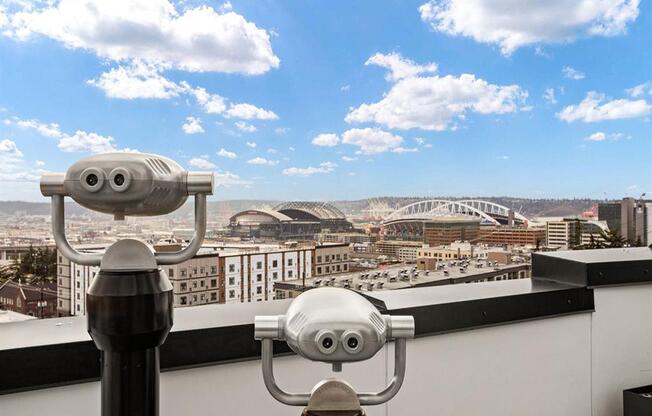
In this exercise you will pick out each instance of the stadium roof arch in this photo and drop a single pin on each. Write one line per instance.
(308, 210)
(488, 212)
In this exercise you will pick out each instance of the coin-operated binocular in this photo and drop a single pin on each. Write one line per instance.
(129, 302)
(335, 326)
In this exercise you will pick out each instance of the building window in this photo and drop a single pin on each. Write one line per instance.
(201, 283)
(184, 300)
(213, 296)
(275, 275)
(194, 298)
(61, 304)
(184, 273)
(231, 294)
(345, 267)
(259, 277)
(231, 281)
(318, 259)
(259, 290)
(318, 270)
(213, 282)
(170, 272)
(194, 285)
(78, 285)
(77, 273)
(194, 270)
(290, 262)
(202, 297)
(60, 259)
(202, 270)
(337, 257)
(213, 269)
(231, 268)
(184, 286)
(60, 270)
(345, 256)
(274, 263)
(328, 269)
(77, 308)
(337, 267)
(259, 265)
(289, 273)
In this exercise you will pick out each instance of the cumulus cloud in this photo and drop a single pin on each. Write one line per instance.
(399, 67)
(228, 179)
(198, 39)
(572, 73)
(371, 140)
(600, 136)
(349, 158)
(227, 154)
(202, 163)
(549, 96)
(501, 23)
(247, 128)
(192, 126)
(83, 141)
(325, 167)
(595, 107)
(436, 102)
(251, 144)
(137, 80)
(80, 141)
(640, 90)
(249, 111)
(326, 139)
(262, 161)
(9, 153)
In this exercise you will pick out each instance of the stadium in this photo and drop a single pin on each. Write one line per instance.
(294, 220)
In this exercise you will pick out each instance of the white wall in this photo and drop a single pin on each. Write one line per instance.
(622, 345)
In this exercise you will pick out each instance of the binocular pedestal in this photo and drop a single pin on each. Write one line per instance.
(129, 317)
(333, 397)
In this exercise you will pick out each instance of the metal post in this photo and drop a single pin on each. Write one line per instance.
(129, 317)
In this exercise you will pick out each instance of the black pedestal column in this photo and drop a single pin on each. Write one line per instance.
(129, 317)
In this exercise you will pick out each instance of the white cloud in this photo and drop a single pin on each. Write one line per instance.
(249, 111)
(197, 39)
(40, 163)
(292, 149)
(399, 67)
(572, 73)
(225, 153)
(137, 80)
(83, 141)
(228, 179)
(345, 87)
(251, 144)
(595, 108)
(281, 130)
(371, 140)
(9, 153)
(436, 102)
(325, 167)
(262, 161)
(600, 136)
(211, 103)
(513, 25)
(326, 139)
(242, 126)
(48, 130)
(349, 159)
(549, 96)
(201, 163)
(192, 126)
(640, 90)
(405, 150)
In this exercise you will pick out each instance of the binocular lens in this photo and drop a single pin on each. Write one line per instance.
(119, 179)
(92, 179)
(327, 342)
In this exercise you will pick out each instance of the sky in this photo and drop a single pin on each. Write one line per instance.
(335, 100)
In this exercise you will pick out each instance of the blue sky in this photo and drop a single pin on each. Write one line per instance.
(342, 101)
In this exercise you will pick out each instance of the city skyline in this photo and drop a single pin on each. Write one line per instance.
(293, 101)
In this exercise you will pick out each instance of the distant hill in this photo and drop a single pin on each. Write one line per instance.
(224, 209)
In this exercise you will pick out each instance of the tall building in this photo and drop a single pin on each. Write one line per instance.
(218, 274)
(572, 232)
(630, 218)
(512, 235)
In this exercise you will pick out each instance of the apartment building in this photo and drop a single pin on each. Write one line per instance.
(217, 275)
